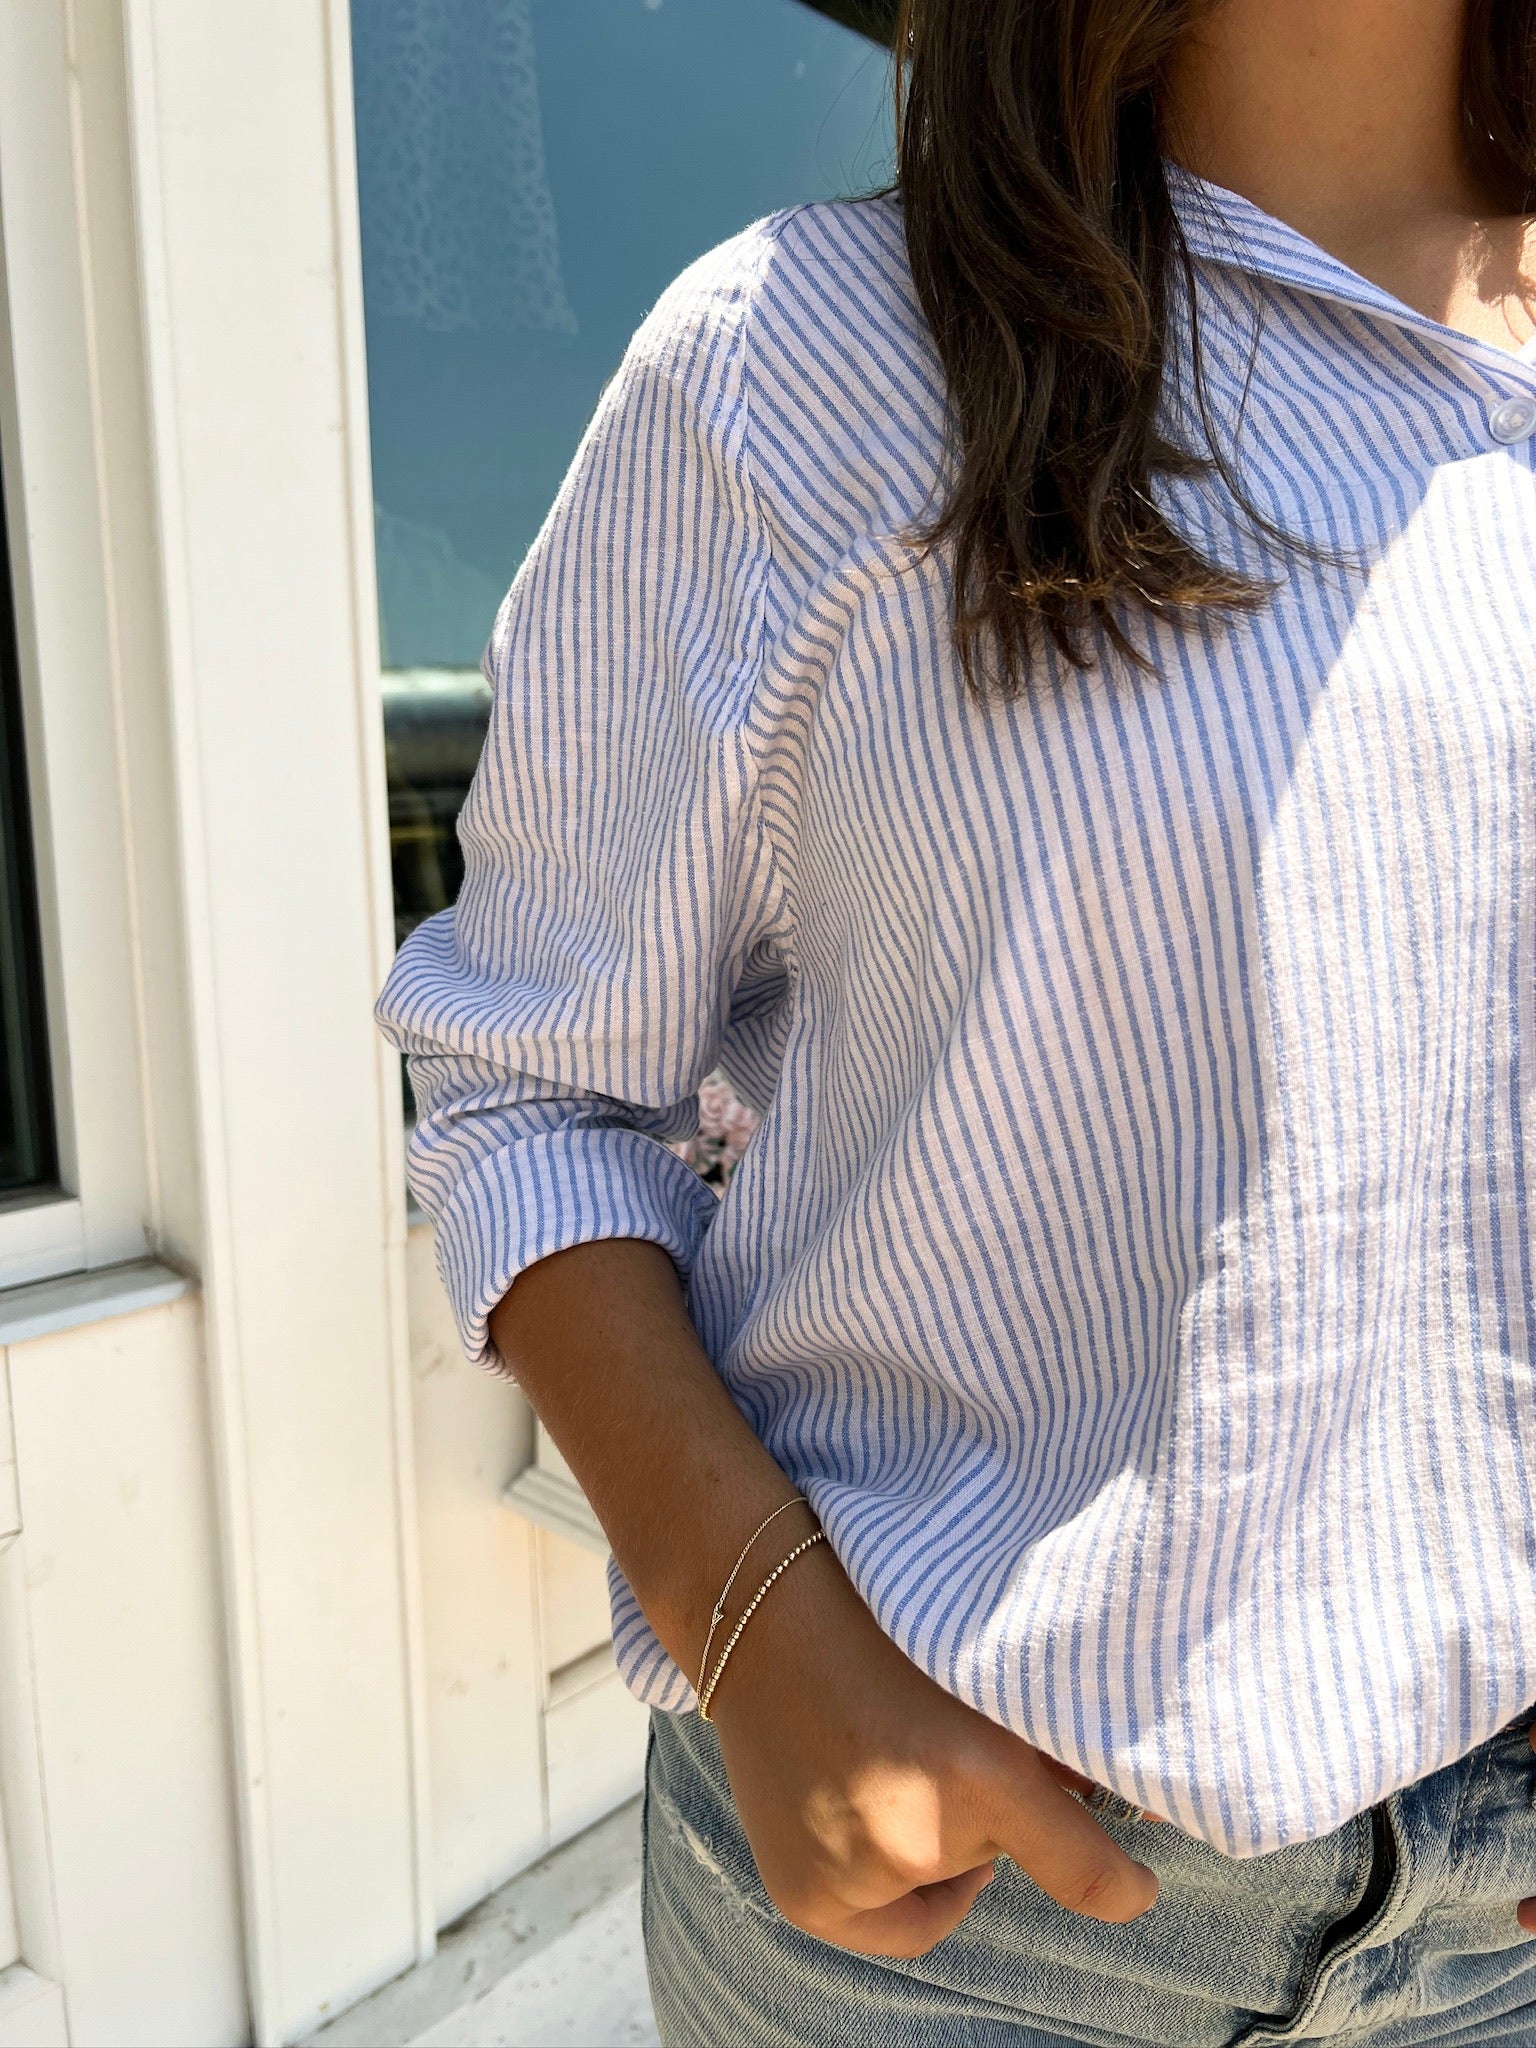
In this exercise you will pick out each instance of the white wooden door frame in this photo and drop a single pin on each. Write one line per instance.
(240, 127)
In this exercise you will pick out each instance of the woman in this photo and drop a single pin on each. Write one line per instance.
(1034, 673)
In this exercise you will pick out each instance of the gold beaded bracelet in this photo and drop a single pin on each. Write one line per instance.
(746, 1614)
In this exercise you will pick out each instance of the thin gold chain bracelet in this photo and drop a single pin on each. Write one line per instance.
(747, 1613)
(718, 1616)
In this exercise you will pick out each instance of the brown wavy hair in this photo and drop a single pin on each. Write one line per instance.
(1043, 240)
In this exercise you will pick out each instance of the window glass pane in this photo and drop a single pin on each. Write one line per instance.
(532, 173)
(26, 1116)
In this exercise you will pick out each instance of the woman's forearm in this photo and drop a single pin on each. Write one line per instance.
(600, 1341)
(874, 1801)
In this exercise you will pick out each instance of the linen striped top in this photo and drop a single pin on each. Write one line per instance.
(1133, 1263)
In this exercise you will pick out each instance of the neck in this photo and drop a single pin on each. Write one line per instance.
(1327, 110)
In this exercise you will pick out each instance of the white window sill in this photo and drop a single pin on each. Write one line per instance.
(47, 1306)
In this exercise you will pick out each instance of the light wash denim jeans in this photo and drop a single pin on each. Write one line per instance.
(1398, 1928)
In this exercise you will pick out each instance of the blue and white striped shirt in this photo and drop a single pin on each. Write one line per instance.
(1133, 1264)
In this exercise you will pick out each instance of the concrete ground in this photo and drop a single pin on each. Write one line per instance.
(552, 1960)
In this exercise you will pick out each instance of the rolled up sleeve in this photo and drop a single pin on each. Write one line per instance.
(558, 1020)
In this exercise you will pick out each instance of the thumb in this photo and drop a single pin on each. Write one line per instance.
(1031, 1817)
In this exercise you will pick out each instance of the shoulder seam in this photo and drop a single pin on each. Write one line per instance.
(779, 906)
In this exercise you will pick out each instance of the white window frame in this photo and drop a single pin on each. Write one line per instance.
(85, 856)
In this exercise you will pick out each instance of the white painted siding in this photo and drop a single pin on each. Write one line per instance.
(114, 1587)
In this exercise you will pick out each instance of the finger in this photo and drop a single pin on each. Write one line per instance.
(911, 1925)
(1059, 1844)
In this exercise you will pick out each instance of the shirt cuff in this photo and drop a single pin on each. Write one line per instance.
(552, 1189)
(644, 1665)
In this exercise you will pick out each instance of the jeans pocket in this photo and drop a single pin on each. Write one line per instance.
(1510, 1750)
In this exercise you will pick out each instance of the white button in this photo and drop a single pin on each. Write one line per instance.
(1513, 420)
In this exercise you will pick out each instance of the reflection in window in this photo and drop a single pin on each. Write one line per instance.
(532, 173)
(26, 1118)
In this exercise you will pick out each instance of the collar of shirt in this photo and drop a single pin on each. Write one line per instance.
(1222, 227)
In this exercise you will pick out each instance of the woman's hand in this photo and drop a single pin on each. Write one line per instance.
(873, 1800)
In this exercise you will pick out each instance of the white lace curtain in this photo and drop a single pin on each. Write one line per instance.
(459, 231)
